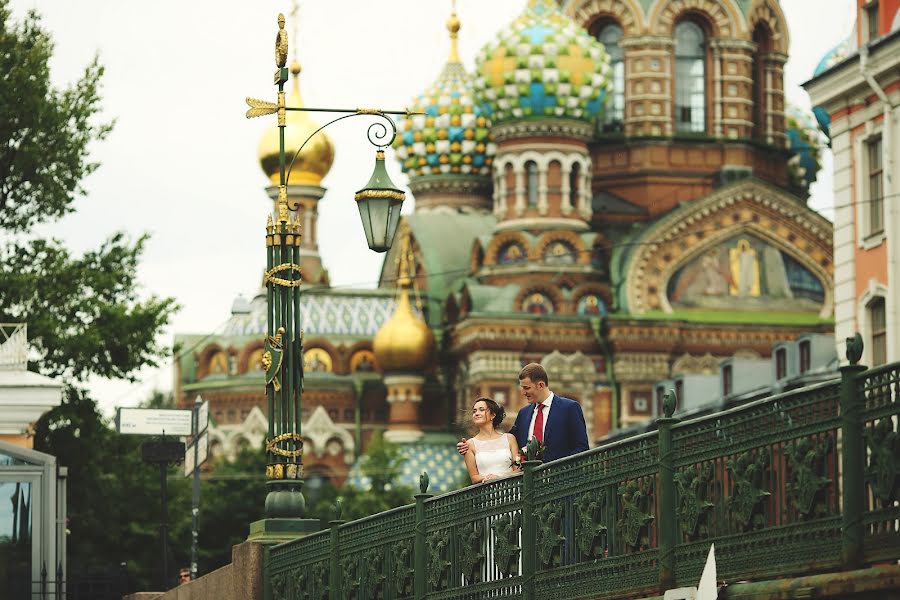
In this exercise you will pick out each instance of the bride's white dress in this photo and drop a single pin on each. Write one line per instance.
(492, 457)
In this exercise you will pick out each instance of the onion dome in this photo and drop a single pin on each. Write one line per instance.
(452, 135)
(404, 343)
(543, 65)
(314, 162)
(805, 142)
(831, 58)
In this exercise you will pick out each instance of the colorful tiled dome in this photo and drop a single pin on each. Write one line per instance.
(831, 58)
(452, 135)
(805, 142)
(543, 65)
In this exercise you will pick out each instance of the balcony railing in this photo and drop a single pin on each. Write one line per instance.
(802, 482)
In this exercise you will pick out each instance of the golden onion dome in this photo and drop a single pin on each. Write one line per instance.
(405, 342)
(315, 161)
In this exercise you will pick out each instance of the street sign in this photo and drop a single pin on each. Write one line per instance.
(153, 421)
(202, 453)
(162, 452)
(203, 417)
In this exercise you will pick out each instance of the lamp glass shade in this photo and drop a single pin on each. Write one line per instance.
(379, 204)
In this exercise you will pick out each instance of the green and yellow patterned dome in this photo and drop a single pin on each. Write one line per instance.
(543, 65)
(451, 137)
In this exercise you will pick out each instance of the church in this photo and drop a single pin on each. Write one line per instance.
(616, 189)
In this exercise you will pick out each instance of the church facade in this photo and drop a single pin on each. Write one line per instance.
(617, 190)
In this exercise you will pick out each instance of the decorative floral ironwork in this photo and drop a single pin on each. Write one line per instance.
(589, 530)
(404, 567)
(374, 584)
(637, 499)
(883, 470)
(471, 545)
(350, 571)
(279, 586)
(506, 551)
(438, 565)
(693, 500)
(807, 480)
(549, 535)
(747, 496)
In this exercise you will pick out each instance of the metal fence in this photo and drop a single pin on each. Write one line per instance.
(801, 482)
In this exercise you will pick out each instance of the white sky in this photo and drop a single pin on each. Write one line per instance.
(181, 162)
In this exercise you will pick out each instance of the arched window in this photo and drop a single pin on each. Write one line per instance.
(690, 78)
(574, 184)
(610, 35)
(763, 40)
(531, 183)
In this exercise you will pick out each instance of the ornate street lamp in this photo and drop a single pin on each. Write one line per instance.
(379, 205)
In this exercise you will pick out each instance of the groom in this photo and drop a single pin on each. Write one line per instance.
(556, 422)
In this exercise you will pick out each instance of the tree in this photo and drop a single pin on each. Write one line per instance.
(84, 313)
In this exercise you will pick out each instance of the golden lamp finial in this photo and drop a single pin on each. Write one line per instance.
(453, 28)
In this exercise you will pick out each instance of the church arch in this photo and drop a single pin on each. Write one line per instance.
(627, 13)
(723, 16)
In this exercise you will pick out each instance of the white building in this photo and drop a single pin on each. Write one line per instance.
(859, 89)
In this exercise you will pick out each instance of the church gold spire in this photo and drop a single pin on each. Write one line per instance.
(453, 27)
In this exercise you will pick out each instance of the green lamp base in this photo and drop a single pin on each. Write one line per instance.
(276, 531)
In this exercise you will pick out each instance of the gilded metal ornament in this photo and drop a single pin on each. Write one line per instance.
(281, 44)
(272, 358)
(260, 108)
(269, 276)
(271, 445)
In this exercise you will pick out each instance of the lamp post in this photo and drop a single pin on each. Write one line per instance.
(379, 203)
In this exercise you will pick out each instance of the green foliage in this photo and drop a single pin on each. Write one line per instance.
(112, 496)
(382, 462)
(46, 131)
(84, 314)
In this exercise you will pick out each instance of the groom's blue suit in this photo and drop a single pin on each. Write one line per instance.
(565, 433)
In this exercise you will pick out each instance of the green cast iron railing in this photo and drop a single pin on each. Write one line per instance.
(801, 482)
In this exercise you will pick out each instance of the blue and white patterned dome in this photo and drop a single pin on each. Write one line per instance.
(543, 65)
(452, 137)
(805, 142)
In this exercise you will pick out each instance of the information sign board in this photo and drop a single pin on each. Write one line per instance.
(153, 421)
(202, 453)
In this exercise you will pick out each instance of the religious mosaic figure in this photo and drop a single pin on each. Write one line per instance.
(745, 274)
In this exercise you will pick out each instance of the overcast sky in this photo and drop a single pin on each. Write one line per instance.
(181, 162)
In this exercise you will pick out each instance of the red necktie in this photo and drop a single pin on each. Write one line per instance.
(539, 424)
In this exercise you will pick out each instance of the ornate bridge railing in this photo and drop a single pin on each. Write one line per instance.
(801, 482)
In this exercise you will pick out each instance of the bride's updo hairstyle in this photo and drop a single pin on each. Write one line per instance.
(495, 409)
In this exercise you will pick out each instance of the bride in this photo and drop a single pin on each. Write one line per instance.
(490, 452)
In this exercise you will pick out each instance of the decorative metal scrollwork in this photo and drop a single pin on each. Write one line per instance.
(279, 586)
(549, 535)
(404, 567)
(350, 570)
(883, 470)
(471, 555)
(589, 529)
(506, 551)
(375, 578)
(808, 464)
(747, 495)
(438, 565)
(693, 500)
(636, 500)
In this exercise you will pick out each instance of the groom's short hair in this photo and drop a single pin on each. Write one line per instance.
(535, 373)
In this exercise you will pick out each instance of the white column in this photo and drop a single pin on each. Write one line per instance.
(565, 203)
